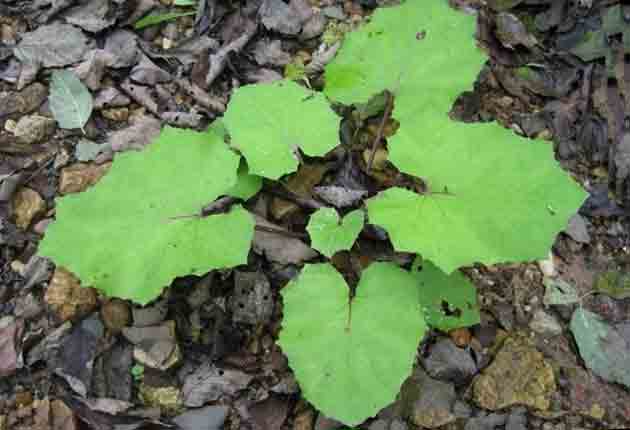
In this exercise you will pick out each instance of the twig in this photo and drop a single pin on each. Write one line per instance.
(379, 135)
(218, 60)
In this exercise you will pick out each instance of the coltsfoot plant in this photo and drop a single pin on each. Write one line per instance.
(490, 196)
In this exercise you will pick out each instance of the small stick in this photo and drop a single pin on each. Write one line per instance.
(379, 135)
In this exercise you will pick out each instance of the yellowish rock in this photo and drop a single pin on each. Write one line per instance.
(519, 375)
(168, 398)
(27, 204)
(80, 176)
(116, 114)
(66, 296)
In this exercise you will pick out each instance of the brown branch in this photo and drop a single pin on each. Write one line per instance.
(379, 135)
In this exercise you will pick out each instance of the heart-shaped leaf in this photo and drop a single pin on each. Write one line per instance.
(338, 346)
(330, 234)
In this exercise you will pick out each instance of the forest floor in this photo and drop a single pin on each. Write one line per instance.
(204, 354)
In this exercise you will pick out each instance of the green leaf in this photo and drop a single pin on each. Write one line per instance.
(157, 18)
(603, 348)
(269, 122)
(493, 196)
(448, 301)
(350, 356)
(246, 185)
(70, 100)
(138, 228)
(330, 234)
(559, 292)
(185, 3)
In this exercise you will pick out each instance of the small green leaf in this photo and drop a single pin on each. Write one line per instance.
(559, 292)
(139, 227)
(448, 301)
(330, 234)
(157, 18)
(269, 122)
(185, 3)
(70, 100)
(604, 350)
(350, 356)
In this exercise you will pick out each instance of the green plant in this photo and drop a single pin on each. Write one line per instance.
(487, 196)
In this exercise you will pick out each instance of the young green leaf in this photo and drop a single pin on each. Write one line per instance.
(338, 346)
(269, 122)
(138, 228)
(604, 350)
(70, 100)
(157, 18)
(493, 196)
(448, 301)
(330, 234)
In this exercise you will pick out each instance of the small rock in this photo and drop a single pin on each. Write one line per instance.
(461, 336)
(118, 114)
(304, 420)
(34, 128)
(9, 125)
(519, 374)
(325, 423)
(27, 205)
(578, 229)
(448, 362)
(155, 346)
(208, 383)
(10, 345)
(428, 402)
(62, 416)
(67, 297)
(116, 315)
(150, 315)
(24, 101)
(80, 176)
(517, 420)
(252, 302)
(208, 418)
(167, 398)
(545, 324)
(485, 422)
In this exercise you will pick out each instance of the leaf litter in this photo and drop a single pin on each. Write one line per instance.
(290, 230)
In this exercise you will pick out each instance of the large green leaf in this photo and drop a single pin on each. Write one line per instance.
(330, 234)
(269, 122)
(133, 232)
(448, 301)
(494, 196)
(350, 356)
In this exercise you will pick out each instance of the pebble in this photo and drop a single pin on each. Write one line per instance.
(80, 176)
(67, 297)
(27, 205)
(116, 315)
(33, 129)
(446, 361)
(118, 114)
(427, 402)
(545, 324)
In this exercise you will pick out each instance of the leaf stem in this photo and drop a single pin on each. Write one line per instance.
(379, 134)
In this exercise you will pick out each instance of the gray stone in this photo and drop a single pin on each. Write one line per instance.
(208, 418)
(545, 324)
(485, 422)
(517, 420)
(446, 361)
(34, 128)
(427, 402)
(578, 229)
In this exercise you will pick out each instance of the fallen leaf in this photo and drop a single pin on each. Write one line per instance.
(70, 101)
